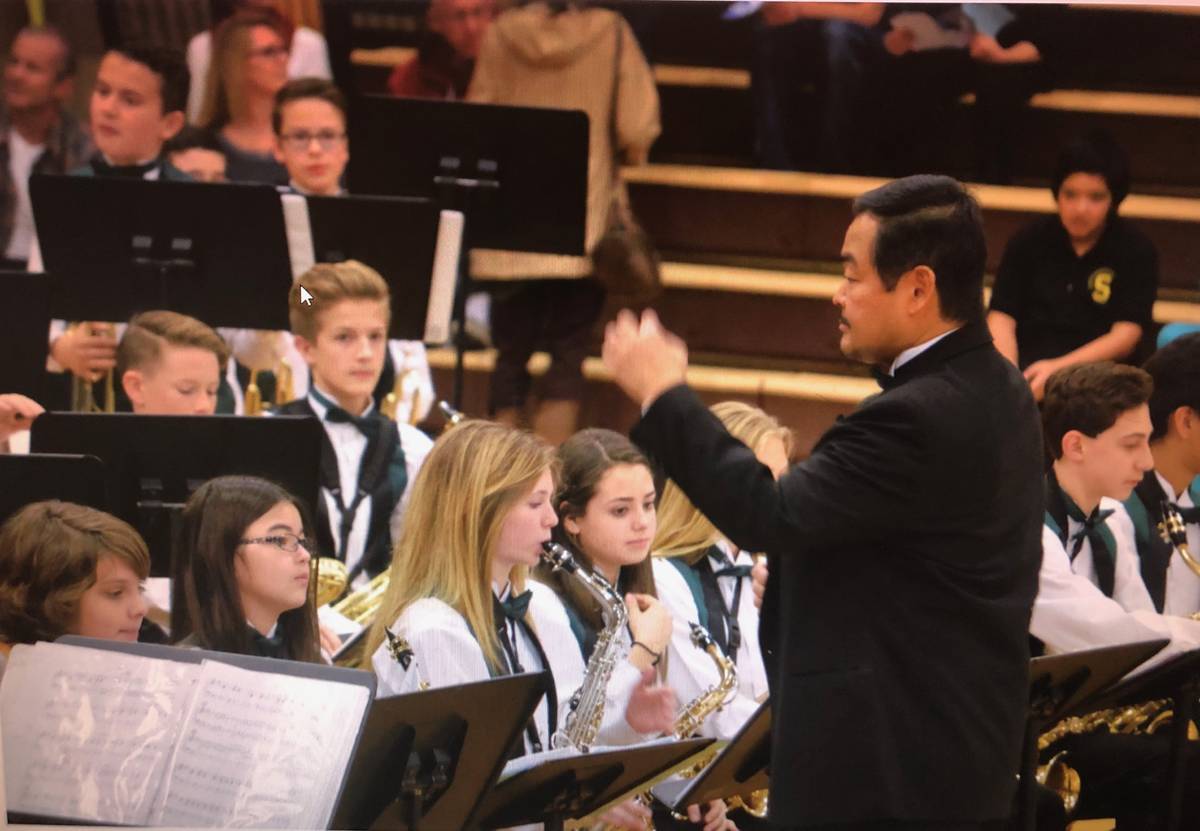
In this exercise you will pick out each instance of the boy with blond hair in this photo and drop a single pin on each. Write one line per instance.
(171, 364)
(339, 314)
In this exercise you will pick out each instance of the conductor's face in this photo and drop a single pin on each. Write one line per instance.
(872, 316)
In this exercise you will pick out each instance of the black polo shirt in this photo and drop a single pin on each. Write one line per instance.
(1062, 301)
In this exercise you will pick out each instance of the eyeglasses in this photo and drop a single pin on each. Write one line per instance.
(286, 542)
(277, 51)
(326, 139)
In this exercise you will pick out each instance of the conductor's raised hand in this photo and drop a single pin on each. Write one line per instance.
(758, 580)
(645, 359)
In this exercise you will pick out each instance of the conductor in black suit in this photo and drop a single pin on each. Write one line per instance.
(903, 552)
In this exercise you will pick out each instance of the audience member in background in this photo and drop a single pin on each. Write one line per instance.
(445, 58)
(37, 135)
(309, 120)
(830, 47)
(308, 53)
(1015, 50)
(17, 413)
(197, 154)
(67, 569)
(1078, 286)
(171, 364)
(249, 67)
(555, 55)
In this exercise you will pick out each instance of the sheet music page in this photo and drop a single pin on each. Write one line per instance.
(87, 732)
(261, 750)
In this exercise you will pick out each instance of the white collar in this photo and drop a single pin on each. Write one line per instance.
(292, 184)
(1183, 500)
(913, 351)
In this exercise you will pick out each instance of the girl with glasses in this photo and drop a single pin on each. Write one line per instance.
(243, 558)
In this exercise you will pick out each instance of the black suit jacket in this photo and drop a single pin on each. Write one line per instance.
(904, 558)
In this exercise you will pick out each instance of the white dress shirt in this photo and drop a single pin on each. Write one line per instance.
(691, 671)
(1183, 586)
(349, 445)
(1070, 613)
(1128, 588)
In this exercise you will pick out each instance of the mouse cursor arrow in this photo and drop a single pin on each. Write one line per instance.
(306, 298)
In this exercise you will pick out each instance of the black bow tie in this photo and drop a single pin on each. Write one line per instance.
(515, 606)
(1190, 516)
(131, 171)
(1089, 525)
(269, 647)
(364, 424)
(885, 379)
(734, 571)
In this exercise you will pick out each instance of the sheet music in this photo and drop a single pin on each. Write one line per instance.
(92, 730)
(260, 750)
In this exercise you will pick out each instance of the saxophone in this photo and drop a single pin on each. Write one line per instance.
(715, 697)
(587, 704)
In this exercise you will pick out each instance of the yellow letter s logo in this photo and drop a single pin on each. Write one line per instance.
(1100, 285)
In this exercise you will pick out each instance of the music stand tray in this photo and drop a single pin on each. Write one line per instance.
(116, 246)
(578, 785)
(740, 768)
(426, 759)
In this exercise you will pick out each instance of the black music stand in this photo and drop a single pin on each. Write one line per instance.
(518, 175)
(1060, 685)
(33, 477)
(398, 237)
(426, 759)
(25, 322)
(119, 246)
(740, 768)
(1179, 680)
(572, 787)
(154, 463)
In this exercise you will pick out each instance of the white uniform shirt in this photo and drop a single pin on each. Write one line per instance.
(691, 671)
(21, 158)
(349, 445)
(1129, 591)
(1070, 613)
(1183, 586)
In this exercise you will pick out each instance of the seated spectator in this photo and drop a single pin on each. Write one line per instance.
(171, 364)
(830, 47)
(68, 569)
(248, 69)
(1077, 286)
(309, 120)
(37, 135)
(197, 154)
(553, 55)
(445, 58)
(308, 53)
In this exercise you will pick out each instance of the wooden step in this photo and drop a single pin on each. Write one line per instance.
(806, 402)
(697, 210)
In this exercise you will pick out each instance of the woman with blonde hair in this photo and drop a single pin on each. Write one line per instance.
(458, 608)
(249, 66)
(703, 578)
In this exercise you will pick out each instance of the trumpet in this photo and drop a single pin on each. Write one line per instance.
(83, 392)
